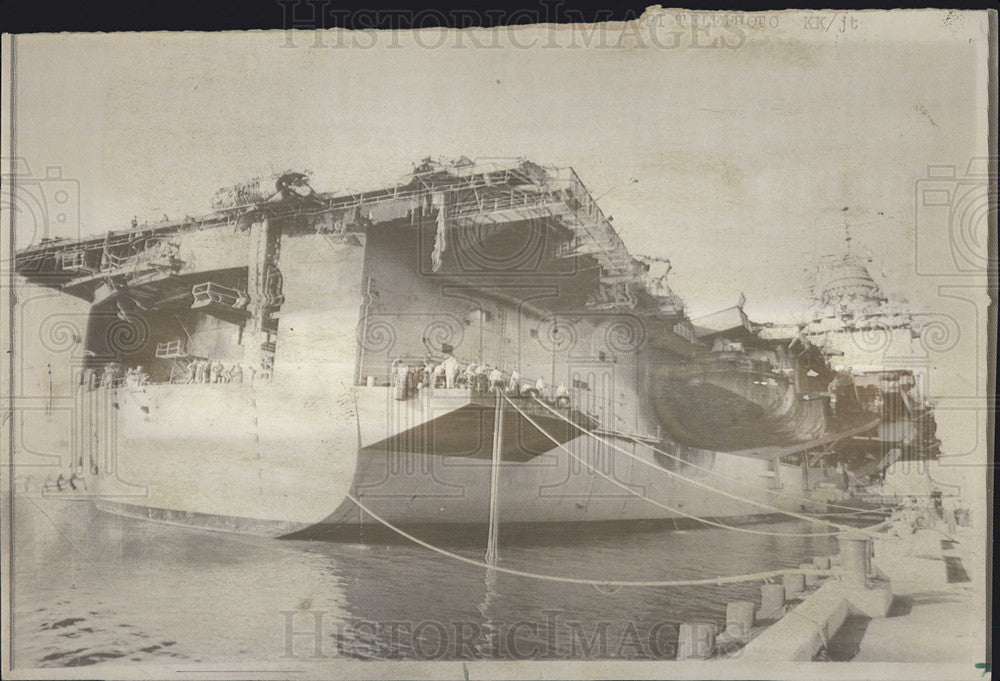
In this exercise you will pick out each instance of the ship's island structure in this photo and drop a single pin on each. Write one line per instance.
(476, 332)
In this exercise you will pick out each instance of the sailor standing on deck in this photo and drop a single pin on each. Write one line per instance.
(540, 387)
(514, 383)
(401, 377)
(450, 365)
(470, 376)
(496, 380)
(202, 371)
(412, 378)
(937, 504)
(562, 396)
(481, 372)
(949, 506)
(216, 372)
(437, 375)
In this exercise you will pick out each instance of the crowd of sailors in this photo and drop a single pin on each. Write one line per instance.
(113, 377)
(196, 371)
(207, 371)
(408, 378)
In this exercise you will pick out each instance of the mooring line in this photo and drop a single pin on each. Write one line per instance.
(723, 475)
(790, 497)
(662, 505)
(793, 514)
(729, 579)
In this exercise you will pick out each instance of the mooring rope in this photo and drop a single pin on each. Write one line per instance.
(860, 511)
(494, 531)
(753, 502)
(706, 521)
(727, 477)
(728, 579)
(791, 497)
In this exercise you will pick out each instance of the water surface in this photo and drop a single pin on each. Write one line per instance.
(90, 587)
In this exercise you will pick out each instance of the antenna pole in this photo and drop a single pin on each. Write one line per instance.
(847, 234)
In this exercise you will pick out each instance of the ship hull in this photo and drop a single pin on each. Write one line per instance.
(260, 460)
(320, 305)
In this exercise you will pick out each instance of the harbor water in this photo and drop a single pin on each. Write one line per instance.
(89, 587)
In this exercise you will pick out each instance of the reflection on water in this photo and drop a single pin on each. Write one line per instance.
(90, 587)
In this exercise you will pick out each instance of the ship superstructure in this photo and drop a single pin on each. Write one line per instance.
(256, 368)
(879, 341)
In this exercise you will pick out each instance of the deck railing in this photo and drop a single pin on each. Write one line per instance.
(210, 292)
(170, 349)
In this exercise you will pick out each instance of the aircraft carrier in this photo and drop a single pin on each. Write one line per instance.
(476, 333)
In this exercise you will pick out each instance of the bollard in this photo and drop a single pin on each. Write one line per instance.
(370, 381)
(810, 580)
(794, 583)
(739, 618)
(696, 641)
(822, 562)
(855, 559)
(772, 598)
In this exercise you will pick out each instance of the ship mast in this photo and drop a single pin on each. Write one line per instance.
(847, 235)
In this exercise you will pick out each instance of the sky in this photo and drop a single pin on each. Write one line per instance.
(750, 151)
(734, 152)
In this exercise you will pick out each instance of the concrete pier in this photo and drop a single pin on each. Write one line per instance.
(795, 584)
(772, 601)
(739, 618)
(810, 625)
(938, 601)
(922, 588)
(810, 580)
(696, 641)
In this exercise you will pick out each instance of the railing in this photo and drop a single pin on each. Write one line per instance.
(74, 260)
(209, 292)
(114, 262)
(409, 377)
(510, 200)
(170, 349)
